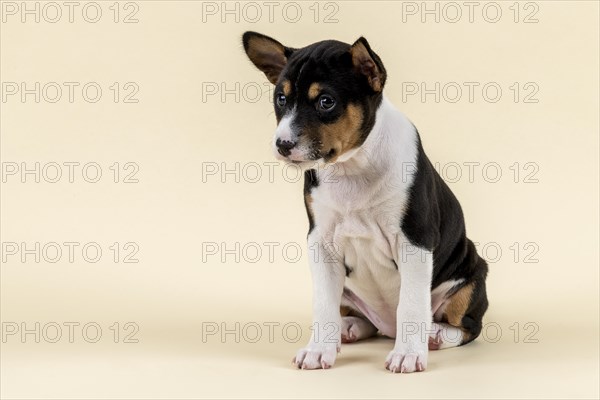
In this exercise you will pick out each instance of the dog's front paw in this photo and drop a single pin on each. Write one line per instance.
(315, 356)
(404, 362)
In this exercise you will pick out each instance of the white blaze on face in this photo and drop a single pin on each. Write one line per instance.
(286, 132)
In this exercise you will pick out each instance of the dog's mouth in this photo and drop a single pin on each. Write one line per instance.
(312, 158)
(307, 155)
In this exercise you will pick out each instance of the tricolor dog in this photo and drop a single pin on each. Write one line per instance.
(393, 255)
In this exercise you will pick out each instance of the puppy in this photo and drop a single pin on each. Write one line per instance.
(389, 252)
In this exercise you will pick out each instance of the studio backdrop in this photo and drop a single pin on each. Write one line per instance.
(153, 247)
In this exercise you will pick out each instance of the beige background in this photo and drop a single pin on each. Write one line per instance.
(173, 135)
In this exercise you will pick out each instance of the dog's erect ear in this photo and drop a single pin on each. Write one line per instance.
(266, 53)
(368, 63)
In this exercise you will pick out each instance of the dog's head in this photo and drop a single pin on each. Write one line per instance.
(326, 95)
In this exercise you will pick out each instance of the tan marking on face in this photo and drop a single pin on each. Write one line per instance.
(313, 91)
(458, 304)
(344, 134)
(287, 87)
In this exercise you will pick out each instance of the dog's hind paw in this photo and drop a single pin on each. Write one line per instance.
(356, 328)
(398, 361)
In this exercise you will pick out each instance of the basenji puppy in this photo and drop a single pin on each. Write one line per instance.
(393, 257)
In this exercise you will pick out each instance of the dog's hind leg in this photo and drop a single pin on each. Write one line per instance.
(459, 319)
(444, 335)
(355, 326)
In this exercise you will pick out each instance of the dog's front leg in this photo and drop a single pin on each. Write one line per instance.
(413, 315)
(328, 276)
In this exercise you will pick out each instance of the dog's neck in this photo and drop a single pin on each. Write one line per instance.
(390, 148)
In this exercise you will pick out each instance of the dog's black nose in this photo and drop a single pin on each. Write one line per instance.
(284, 147)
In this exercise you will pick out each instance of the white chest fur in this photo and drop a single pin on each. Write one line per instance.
(358, 209)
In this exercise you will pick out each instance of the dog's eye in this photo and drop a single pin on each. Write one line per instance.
(281, 100)
(326, 103)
